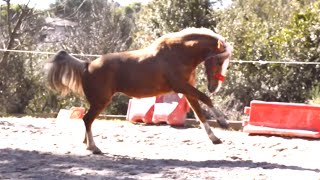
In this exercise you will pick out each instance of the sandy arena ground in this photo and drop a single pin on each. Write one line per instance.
(37, 148)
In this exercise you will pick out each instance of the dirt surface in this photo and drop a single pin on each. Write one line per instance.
(32, 148)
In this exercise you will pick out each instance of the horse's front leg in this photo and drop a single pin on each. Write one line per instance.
(180, 86)
(200, 116)
(221, 118)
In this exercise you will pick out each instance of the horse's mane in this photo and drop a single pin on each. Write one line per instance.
(194, 31)
(203, 31)
(185, 32)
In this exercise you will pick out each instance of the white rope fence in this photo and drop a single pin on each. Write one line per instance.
(48, 53)
(233, 61)
(274, 62)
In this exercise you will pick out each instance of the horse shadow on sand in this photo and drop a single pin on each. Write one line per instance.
(22, 164)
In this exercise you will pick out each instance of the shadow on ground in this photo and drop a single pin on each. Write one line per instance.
(21, 164)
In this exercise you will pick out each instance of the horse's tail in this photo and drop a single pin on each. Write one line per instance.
(64, 73)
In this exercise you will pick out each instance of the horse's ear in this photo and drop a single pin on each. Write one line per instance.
(220, 46)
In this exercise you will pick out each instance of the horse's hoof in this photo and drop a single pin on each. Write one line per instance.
(217, 141)
(95, 150)
(98, 151)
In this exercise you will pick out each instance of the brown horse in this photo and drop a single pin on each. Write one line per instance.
(166, 65)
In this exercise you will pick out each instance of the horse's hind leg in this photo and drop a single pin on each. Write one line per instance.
(88, 120)
(200, 116)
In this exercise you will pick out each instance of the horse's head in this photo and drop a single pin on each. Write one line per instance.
(216, 64)
(206, 45)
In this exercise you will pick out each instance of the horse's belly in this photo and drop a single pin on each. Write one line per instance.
(142, 80)
(140, 89)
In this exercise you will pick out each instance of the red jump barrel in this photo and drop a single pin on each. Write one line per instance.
(285, 119)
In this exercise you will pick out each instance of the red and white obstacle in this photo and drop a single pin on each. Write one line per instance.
(285, 119)
(170, 108)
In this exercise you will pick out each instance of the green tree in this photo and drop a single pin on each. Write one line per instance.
(19, 27)
(163, 16)
(262, 30)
